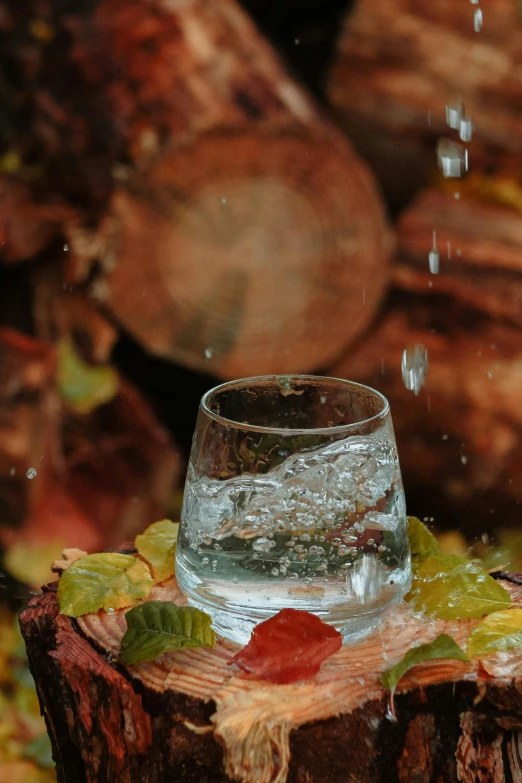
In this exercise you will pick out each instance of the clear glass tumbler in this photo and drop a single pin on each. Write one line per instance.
(293, 499)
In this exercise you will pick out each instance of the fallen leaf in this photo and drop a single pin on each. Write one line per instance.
(500, 632)
(84, 386)
(442, 647)
(454, 588)
(157, 545)
(103, 581)
(156, 627)
(288, 647)
(423, 544)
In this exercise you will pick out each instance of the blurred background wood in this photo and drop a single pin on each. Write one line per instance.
(399, 63)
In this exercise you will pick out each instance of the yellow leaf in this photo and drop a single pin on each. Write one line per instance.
(84, 386)
(30, 563)
(103, 581)
(157, 545)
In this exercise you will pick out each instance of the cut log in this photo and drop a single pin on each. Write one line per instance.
(192, 716)
(460, 439)
(480, 267)
(241, 227)
(400, 63)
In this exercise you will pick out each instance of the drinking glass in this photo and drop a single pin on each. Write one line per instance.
(293, 498)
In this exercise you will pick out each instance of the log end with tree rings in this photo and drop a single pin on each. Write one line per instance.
(245, 254)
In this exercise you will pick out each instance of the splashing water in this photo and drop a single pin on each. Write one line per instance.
(414, 367)
(452, 158)
(434, 256)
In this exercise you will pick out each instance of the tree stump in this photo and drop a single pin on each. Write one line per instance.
(191, 716)
(399, 64)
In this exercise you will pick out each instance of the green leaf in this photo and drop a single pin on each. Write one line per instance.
(83, 386)
(423, 544)
(499, 632)
(442, 647)
(103, 581)
(157, 545)
(39, 750)
(454, 588)
(158, 626)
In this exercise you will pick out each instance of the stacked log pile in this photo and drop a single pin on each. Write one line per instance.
(398, 66)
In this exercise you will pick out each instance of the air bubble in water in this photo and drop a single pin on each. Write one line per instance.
(477, 20)
(261, 545)
(414, 367)
(452, 158)
(434, 257)
(31, 473)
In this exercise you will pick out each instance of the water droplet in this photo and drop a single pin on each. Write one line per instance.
(456, 195)
(224, 200)
(452, 158)
(463, 459)
(261, 544)
(12, 471)
(208, 353)
(205, 561)
(110, 610)
(466, 128)
(477, 20)
(31, 473)
(434, 258)
(297, 41)
(66, 248)
(454, 112)
(304, 537)
(275, 571)
(414, 367)
(322, 399)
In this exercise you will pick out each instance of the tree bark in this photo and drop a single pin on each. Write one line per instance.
(400, 63)
(192, 716)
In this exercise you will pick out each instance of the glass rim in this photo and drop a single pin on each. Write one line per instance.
(287, 431)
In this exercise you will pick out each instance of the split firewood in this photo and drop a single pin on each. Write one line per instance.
(80, 475)
(460, 439)
(233, 225)
(191, 715)
(400, 63)
(480, 268)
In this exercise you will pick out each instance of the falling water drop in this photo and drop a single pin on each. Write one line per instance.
(477, 20)
(434, 256)
(454, 111)
(452, 158)
(414, 367)
(31, 473)
(466, 127)
(209, 353)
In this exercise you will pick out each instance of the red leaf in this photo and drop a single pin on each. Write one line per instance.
(288, 647)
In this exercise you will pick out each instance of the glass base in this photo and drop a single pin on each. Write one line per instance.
(237, 609)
